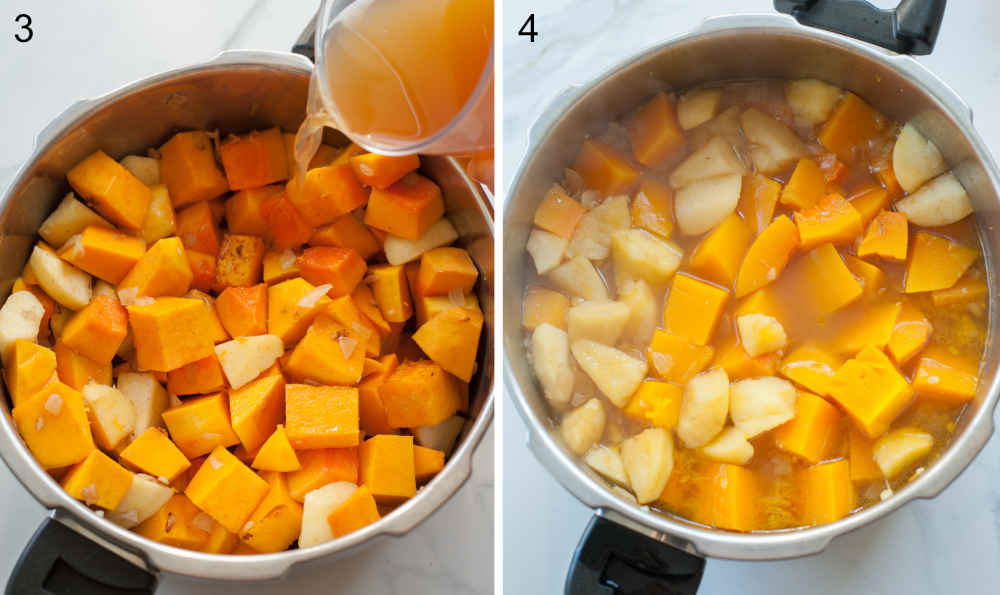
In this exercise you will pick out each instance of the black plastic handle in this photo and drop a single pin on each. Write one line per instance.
(612, 559)
(60, 561)
(305, 45)
(911, 28)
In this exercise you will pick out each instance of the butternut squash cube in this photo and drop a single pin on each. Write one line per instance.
(347, 231)
(197, 426)
(936, 262)
(389, 286)
(910, 333)
(243, 310)
(28, 368)
(887, 237)
(862, 459)
(53, 423)
(339, 268)
(387, 467)
(113, 191)
(869, 202)
(873, 279)
(153, 453)
(729, 498)
(345, 312)
(758, 197)
(197, 228)
(277, 454)
(199, 377)
(805, 187)
(292, 306)
(243, 210)
(693, 309)
(276, 522)
(675, 359)
(420, 393)
(374, 418)
(944, 377)
(170, 333)
(452, 340)
(188, 168)
(852, 123)
(329, 354)
(382, 171)
(255, 159)
(558, 213)
(654, 133)
(812, 433)
(604, 169)
(98, 481)
(738, 364)
(219, 333)
(427, 463)
(443, 270)
(827, 283)
(202, 270)
(321, 416)
(653, 208)
(872, 391)
(174, 525)
(718, 255)
(811, 366)
(279, 265)
(77, 370)
(967, 290)
(287, 228)
(323, 466)
(874, 328)
(828, 492)
(767, 256)
(832, 219)
(658, 403)
(407, 208)
(226, 489)
(357, 512)
(103, 253)
(97, 331)
(162, 271)
(220, 540)
(240, 261)
(327, 193)
(160, 220)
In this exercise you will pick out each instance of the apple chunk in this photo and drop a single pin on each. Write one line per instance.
(20, 318)
(811, 100)
(701, 206)
(639, 255)
(615, 373)
(317, 506)
(942, 201)
(243, 359)
(550, 357)
(582, 427)
(915, 159)
(715, 158)
(704, 407)
(649, 460)
(773, 146)
(145, 496)
(760, 404)
(64, 282)
(546, 249)
(602, 322)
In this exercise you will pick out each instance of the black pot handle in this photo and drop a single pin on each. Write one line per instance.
(60, 561)
(305, 45)
(612, 559)
(911, 28)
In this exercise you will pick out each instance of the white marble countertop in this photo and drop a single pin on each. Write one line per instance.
(948, 545)
(84, 49)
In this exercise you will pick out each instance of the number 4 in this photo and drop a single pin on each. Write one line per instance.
(528, 28)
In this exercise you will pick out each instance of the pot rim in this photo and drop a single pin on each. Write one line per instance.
(674, 530)
(155, 557)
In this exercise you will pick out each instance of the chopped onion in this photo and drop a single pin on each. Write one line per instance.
(143, 300)
(247, 527)
(214, 462)
(39, 423)
(54, 404)
(127, 296)
(456, 296)
(89, 494)
(131, 517)
(171, 521)
(347, 345)
(286, 260)
(203, 522)
(309, 300)
(99, 513)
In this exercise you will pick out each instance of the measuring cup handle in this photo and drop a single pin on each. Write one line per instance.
(305, 45)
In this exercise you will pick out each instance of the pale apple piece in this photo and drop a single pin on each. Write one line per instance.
(624, 494)
(146, 169)
(759, 404)
(760, 334)
(704, 407)
(602, 322)
(648, 458)
(592, 236)
(606, 461)
(730, 446)
(69, 219)
(60, 316)
(915, 159)
(701, 206)
(811, 100)
(317, 506)
(102, 287)
(898, 449)
(644, 312)
(244, 358)
(546, 249)
(64, 283)
(715, 158)
(773, 146)
(726, 125)
(697, 107)
(145, 496)
(582, 427)
(550, 357)
(160, 219)
(148, 398)
(111, 414)
(639, 255)
(441, 436)
(942, 201)
(401, 250)
(616, 373)
(578, 277)
(20, 318)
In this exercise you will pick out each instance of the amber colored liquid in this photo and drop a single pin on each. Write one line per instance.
(403, 69)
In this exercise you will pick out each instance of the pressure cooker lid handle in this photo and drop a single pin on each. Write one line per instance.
(612, 559)
(60, 561)
(305, 45)
(911, 28)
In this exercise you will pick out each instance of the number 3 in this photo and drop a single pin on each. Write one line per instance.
(26, 26)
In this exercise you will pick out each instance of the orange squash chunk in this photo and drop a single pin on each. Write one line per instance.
(420, 393)
(655, 402)
(653, 208)
(243, 210)
(288, 316)
(77, 370)
(357, 512)
(871, 390)
(329, 354)
(676, 359)
(873, 279)
(217, 332)
(202, 270)
(241, 261)
(451, 339)
(887, 237)
(345, 312)
(98, 480)
(758, 197)
(287, 228)
(718, 255)
(327, 193)
(113, 191)
(832, 219)
(391, 293)
(852, 124)
(805, 187)
(968, 289)
(347, 231)
(407, 208)
(427, 463)
(558, 212)
(936, 262)
(874, 328)
(188, 168)
(606, 170)
(277, 454)
(277, 521)
(256, 410)
(243, 310)
(443, 270)
(869, 202)
(811, 367)
(811, 434)
(387, 467)
(654, 132)
(279, 265)
(197, 426)
(862, 460)
(103, 253)
(170, 333)
(826, 281)
(60, 439)
(320, 467)
(341, 268)
(910, 333)
(767, 256)
(729, 497)
(28, 368)
(382, 171)
(321, 416)
(738, 364)
(542, 306)
(197, 378)
(763, 301)
(154, 454)
(693, 309)
(162, 270)
(255, 159)
(172, 525)
(226, 489)
(374, 418)
(828, 493)
(97, 331)
(944, 377)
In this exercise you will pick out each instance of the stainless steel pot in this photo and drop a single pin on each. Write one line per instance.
(236, 91)
(726, 48)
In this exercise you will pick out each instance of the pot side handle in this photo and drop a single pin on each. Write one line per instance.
(612, 559)
(60, 561)
(911, 28)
